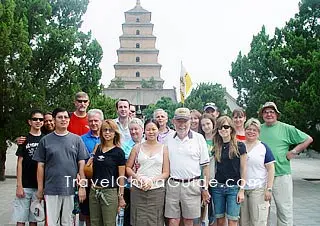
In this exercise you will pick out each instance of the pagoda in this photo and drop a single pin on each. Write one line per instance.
(137, 72)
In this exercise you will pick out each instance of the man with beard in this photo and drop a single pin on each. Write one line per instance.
(79, 119)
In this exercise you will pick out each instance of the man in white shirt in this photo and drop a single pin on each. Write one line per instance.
(187, 154)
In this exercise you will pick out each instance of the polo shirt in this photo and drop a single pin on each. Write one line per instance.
(90, 141)
(163, 136)
(187, 155)
(279, 137)
(257, 173)
(125, 132)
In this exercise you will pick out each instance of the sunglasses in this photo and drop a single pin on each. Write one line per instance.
(133, 111)
(109, 130)
(82, 101)
(224, 127)
(36, 119)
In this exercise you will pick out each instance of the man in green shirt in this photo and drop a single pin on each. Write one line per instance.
(279, 137)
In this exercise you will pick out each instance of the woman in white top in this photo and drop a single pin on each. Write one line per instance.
(260, 174)
(148, 190)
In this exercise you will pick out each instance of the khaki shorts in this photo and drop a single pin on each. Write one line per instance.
(183, 198)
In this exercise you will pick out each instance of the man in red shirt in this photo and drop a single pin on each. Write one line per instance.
(79, 119)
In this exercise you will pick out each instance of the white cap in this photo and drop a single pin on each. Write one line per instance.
(37, 209)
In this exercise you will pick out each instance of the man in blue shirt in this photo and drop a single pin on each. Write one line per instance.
(90, 139)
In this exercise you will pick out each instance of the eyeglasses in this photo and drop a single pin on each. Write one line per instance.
(109, 130)
(271, 112)
(224, 127)
(36, 119)
(82, 101)
(132, 111)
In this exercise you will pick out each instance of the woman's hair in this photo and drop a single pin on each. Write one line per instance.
(239, 112)
(112, 125)
(218, 142)
(196, 113)
(136, 121)
(253, 122)
(211, 118)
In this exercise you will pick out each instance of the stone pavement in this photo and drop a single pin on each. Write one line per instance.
(306, 193)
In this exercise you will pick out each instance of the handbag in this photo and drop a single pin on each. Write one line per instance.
(88, 167)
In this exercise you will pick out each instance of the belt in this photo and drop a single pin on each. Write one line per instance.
(186, 180)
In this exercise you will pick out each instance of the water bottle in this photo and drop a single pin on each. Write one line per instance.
(120, 217)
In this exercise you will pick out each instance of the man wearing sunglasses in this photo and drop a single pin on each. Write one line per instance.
(27, 171)
(79, 119)
(279, 137)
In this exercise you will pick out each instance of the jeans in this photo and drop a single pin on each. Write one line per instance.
(225, 201)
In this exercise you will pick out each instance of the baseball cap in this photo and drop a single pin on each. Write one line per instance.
(210, 105)
(37, 209)
(269, 104)
(182, 113)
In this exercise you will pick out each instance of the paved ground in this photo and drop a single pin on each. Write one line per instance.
(306, 194)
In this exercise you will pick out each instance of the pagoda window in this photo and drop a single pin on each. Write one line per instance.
(137, 32)
(137, 59)
(137, 20)
(137, 45)
(137, 74)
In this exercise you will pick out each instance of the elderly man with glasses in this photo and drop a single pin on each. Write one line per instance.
(280, 137)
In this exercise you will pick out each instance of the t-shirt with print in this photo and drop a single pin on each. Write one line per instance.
(29, 166)
(105, 167)
(279, 137)
(60, 154)
(228, 170)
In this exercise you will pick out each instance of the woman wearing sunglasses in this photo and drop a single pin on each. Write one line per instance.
(227, 188)
(106, 194)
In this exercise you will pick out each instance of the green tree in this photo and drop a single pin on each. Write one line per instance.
(165, 103)
(117, 83)
(151, 83)
(284, 69)
(207, 92)
(45, 60)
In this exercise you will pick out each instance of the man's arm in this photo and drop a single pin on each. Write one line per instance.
(299, 148)
(82, 191)
(19, 191)
(40, 179)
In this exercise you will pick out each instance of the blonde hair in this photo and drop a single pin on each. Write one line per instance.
(218, 142)
(253, 122)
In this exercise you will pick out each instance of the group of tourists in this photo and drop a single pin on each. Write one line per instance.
(206, 169)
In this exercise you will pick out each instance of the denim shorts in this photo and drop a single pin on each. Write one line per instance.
(21, 206)
(225, 201)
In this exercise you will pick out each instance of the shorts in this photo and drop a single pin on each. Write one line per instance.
(183, 198)
(225, 201)
(21, 206)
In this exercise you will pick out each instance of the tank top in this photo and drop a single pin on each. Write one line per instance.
(150, 167)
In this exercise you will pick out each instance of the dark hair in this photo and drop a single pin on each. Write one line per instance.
(48, 113)
(122, 100)
(211, 118)
(58, 110)
(35, 111)
(151, 121)
(117, 136)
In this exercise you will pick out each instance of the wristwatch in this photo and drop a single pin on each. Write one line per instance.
(294, 151)
(204, 189)
(269, 189)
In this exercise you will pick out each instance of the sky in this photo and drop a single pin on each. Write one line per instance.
(206, 35)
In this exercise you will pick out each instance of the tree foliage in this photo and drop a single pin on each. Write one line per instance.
(151, 83)
(45, 60)
(284, 69)
(207, 92)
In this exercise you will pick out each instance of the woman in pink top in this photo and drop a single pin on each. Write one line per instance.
(148, 191)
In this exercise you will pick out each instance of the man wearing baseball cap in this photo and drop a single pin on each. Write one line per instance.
(188, 152)
(279, 137)
(212, 109)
